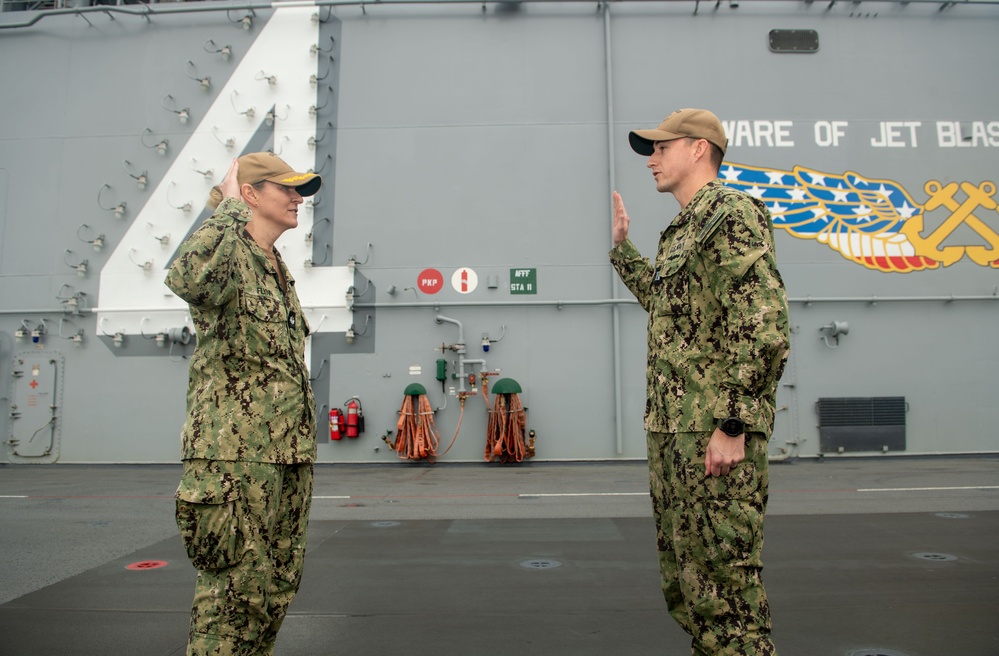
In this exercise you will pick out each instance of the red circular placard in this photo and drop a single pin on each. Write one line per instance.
(430, 281)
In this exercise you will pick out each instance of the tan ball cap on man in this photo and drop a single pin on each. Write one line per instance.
(694, 123)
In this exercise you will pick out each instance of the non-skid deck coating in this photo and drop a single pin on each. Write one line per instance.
(421, 562)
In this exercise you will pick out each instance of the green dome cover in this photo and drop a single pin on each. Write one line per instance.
(506, 386)
(415, 389)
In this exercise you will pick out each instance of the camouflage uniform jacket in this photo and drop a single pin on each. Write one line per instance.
(718, 326)
(248, 395)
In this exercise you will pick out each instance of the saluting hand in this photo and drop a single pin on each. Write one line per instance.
(230, 183)
(619, 228)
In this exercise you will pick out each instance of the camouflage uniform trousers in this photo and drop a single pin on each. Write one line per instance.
(244, 527)
(710, 538)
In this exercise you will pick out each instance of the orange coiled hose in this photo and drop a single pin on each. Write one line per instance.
(506, 432)
(417, 437)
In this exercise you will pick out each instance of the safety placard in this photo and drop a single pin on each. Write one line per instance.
(430, 281)
(464, 280)
(523, 281)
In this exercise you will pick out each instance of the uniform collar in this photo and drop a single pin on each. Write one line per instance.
(694, 207)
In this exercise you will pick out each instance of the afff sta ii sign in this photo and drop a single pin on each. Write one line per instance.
(523, 281)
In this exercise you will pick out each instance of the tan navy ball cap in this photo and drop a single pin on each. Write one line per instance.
(257, 167)
(696, 123)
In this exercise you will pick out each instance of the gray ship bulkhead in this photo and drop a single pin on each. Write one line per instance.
(469, 151)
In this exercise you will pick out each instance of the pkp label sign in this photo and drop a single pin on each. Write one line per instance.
(430, 281)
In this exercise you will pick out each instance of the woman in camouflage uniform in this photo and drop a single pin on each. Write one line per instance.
(249, 440)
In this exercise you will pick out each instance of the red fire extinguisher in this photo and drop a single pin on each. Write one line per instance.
(336, 424)
(355, 419)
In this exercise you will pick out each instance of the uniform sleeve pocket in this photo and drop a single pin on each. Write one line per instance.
(208, 511)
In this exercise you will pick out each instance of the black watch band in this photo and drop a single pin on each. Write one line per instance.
(732, 426)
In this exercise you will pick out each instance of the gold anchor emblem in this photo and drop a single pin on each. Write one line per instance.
(961, 213)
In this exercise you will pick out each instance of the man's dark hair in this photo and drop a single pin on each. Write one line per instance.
(716, 157)
(715, 154)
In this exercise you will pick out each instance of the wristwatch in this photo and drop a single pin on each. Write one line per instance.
(733, 426)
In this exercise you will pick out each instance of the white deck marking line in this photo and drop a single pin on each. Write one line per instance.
(928, 489)
(586, 494)
(559, 494)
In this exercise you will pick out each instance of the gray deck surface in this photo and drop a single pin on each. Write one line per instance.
(863, 557)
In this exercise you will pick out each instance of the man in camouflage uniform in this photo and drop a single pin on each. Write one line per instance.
(717, 344)
(249, 440)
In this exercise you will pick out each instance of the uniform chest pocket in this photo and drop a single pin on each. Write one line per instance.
(264, 308)
(672, 285)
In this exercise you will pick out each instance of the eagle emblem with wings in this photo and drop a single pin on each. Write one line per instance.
(875, 223)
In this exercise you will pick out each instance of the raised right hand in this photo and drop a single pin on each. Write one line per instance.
(230, 183)
(619, 228)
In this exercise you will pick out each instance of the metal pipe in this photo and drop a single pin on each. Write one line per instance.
(461, 329)
(145, 11)
(458, 347)
(558, 303)
(891, 299)
(37, 311)
(464, 304)
(612, 184)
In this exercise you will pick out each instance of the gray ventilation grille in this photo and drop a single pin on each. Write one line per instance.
(861, 424)
(794, 40)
